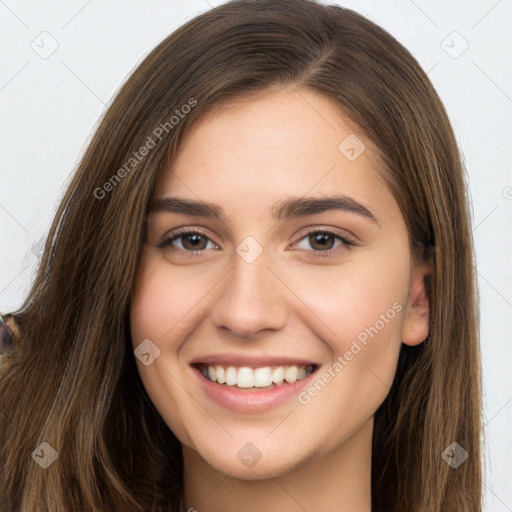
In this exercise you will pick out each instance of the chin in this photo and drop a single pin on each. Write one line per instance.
(245, 461)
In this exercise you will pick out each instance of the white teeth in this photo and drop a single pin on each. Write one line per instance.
(231, 376)
(263, 377)
(290, 374)
(221, 375)
(246, 377)
(278, 375)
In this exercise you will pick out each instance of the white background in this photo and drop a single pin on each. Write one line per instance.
(49, 108)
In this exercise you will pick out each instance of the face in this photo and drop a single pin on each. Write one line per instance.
(273, 332)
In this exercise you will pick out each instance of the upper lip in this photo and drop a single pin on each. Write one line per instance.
(251, 360)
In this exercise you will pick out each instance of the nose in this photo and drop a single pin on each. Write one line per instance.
(251, 299)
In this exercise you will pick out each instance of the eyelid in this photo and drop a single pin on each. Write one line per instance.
(342, 234)
(178, 232)
(346, 242)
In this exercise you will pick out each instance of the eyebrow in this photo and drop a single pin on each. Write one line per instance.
(283, 210)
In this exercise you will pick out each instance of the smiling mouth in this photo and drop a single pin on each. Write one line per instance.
(246, 377)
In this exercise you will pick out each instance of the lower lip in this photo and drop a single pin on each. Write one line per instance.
(251, 401)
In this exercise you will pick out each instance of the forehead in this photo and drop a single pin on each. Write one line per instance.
(252, 151)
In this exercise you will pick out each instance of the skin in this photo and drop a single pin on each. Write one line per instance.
(244, 157)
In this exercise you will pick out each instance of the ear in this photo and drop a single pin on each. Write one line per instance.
(416, 323)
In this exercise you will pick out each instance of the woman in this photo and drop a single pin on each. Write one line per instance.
(258, 291)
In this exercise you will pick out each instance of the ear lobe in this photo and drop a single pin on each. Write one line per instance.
(415, 328)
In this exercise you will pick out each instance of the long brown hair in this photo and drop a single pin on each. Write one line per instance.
(73, 382)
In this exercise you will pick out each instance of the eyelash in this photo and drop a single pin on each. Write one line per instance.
(167, 241)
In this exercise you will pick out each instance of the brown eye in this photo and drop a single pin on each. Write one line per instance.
(193, 242)
(324, 243)
(321, 240)
(188, 241)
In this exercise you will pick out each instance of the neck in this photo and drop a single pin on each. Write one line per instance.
(339, 481)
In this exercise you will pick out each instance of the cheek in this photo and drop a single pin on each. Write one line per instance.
(370, 290)
(363, 305)
(161, 309)
(164, 303)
